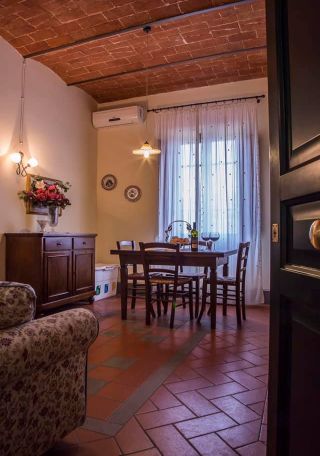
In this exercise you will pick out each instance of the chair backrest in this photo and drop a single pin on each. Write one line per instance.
(127, 245)
(121, 245)
(242, 261)
(155, 260)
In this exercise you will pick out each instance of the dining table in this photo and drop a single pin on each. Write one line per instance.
(212, 259)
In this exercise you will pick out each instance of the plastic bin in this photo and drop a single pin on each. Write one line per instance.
(106, 277)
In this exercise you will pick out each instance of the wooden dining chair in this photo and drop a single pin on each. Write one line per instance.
(158, 275)
(196, 277)
(232, 288)
(136, 283)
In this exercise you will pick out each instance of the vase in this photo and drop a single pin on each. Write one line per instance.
(53, 216)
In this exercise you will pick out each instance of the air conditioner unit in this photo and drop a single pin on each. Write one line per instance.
(118, 116)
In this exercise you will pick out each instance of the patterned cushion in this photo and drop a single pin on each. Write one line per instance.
(17, 304)
(43, 380)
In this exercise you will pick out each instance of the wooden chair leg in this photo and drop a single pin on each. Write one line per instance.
(243, 305)
(197, 303)
(183, 297)
(166, 299)
(225, 300)
(238, 307)
(134, 294)
(159, 300)
(173, 307)
(191, 300)
(148, 305)
(204, 299)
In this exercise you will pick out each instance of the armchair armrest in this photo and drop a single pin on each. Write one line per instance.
(41, 343)
(17, 304)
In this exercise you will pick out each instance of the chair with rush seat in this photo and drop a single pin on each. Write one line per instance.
(158, 276)
(232, 288)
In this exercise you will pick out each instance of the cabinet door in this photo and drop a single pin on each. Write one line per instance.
(83, 269)
(57, 275)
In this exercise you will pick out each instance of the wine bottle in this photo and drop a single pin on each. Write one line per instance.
(194, 238)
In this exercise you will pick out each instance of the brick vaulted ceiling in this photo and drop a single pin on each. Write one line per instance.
(99, 45)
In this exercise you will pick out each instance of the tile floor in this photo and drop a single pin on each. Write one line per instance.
(154, 391)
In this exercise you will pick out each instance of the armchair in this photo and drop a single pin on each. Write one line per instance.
(42, 372)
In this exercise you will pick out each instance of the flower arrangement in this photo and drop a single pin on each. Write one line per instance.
(45, 194)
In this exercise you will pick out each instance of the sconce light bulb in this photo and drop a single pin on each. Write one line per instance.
(32, 162)
(146, 154)
(16, 157)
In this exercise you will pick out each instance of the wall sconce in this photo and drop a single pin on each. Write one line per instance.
(17, 159)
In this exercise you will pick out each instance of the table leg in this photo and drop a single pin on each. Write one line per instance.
(225, 289)
(124, 291)
(213, 294)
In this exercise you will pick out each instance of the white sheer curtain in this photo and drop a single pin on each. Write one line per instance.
(209, 173)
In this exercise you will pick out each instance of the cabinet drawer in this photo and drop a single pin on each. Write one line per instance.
(83, 243)
(57, 243)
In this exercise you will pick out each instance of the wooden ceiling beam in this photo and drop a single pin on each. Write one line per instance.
(170, 64)
(135, 28)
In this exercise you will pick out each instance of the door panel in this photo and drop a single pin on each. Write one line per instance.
(84, 262)
(58, 275)
(294, 100)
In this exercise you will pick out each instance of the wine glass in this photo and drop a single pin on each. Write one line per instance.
(214, 237)
(42, 224)
(206, 237)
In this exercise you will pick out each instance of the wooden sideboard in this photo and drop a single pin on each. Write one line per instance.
(59, 266)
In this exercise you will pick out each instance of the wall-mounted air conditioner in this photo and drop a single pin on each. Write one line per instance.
(118, 116)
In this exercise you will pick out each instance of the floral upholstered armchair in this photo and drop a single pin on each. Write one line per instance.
(42, 372)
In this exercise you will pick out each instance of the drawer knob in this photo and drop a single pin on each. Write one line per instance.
(84, 243)
(58, 243)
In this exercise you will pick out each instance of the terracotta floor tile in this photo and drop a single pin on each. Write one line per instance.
(148, 406)
(104, 373)
(254, 359)
(204, 425)
(245, 380)
(185, 373)
(86, 436)
(251, 397)
(235, 409)
(163, 417)
(116, 391)
(101, 407)
(107, 446)
(257, 370)
(132, 438)
(254, 449)
(172, 379)
(188, 385)
(257, 407)
(234, 366)
(212, 445)
(197, 403)
(213, 375)
(151, 452)
(163, 399)
(241, 435)
(221, 390)
(170, 442)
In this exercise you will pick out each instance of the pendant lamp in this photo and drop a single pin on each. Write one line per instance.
(146, 149)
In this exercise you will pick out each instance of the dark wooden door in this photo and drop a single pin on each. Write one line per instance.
(83, 269)
(57, 275)
(294, 94)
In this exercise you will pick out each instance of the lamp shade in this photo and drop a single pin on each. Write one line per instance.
(146, 150)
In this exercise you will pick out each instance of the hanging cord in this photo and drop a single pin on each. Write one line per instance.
(23, 81)
(147, 30)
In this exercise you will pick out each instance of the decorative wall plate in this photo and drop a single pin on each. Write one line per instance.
(109, 182)
(133, 193)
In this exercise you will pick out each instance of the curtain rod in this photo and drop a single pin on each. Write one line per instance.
(256, 97)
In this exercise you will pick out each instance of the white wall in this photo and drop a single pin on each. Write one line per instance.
(58, 132)
(118, 218)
